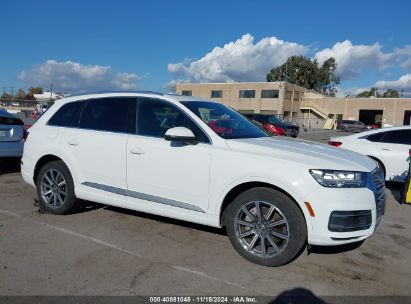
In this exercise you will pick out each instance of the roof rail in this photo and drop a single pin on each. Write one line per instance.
(125, 92)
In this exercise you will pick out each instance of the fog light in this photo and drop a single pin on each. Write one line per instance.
(346, 221)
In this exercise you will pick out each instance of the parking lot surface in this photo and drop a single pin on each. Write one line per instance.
(110, 251)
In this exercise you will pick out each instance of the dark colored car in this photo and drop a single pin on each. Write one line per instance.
(12, 135)
(351, 126)
(273, 124)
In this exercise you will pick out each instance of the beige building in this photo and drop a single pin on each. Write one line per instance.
(295, 103)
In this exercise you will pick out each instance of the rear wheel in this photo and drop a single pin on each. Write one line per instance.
(266, 227)
(55, 189)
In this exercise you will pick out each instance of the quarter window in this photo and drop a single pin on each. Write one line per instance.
(216, 94)
(106, 114)
(155, 117)
(68, 115)
(247, 94)
(269, 93)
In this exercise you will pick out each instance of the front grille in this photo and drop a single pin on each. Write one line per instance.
(379, 193)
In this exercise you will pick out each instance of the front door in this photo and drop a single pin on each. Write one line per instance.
(163, 173)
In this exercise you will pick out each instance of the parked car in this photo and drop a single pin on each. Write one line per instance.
(11, 135)
(157, 153)
(388, 146)
(351, 126)
(275, 125)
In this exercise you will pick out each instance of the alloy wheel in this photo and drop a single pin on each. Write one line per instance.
(261, 228)
(53, 188)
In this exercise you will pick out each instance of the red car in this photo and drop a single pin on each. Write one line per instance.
(274, 130)
(222, 126)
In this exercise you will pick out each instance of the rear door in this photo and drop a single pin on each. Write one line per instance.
(96, 149)
(393, 148)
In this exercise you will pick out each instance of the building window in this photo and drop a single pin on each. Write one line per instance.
(269, 93)
(216, 94)
(247, 94)
(186, 93)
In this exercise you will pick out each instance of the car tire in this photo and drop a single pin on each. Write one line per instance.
(281, 224)
(55, 189)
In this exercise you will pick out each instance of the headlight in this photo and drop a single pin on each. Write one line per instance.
(339, 179)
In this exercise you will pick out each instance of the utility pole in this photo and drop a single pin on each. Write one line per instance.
(51, 91)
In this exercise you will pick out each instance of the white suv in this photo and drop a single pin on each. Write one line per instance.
(197, 160)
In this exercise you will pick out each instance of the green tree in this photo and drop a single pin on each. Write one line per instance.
(390, 93)
(32, 91)
(6, 96)
(20, 94)
(307, 73)
(371, 93)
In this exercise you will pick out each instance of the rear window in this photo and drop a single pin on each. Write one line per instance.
(4, 120)
(68, 115)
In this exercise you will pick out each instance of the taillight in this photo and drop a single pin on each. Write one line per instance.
(335, 143)
(25, 135)
(26, 131)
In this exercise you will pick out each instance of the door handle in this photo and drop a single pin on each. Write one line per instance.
(73, 142)
(386, 149)
(136, 150)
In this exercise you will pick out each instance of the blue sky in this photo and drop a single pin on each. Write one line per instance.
(93, 45)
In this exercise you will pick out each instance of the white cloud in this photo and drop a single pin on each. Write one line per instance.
(406, 64)
(352, 59)
(240, 60)
(76, 77)
(402, 83)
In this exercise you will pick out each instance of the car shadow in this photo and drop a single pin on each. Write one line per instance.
(9, 165)
(153, 217)
(297, 295)
(334, 249)
(396, 189)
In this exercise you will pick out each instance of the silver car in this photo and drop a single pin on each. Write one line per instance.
(11, 135)
(352, 126)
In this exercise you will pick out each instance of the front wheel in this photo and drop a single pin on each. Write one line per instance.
(266, 227)
(55, 189)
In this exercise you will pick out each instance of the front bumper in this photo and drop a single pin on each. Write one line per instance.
(367, 203)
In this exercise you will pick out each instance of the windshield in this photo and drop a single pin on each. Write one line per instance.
(224, 121)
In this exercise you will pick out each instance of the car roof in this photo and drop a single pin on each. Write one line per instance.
(370, 132)
(174, 97)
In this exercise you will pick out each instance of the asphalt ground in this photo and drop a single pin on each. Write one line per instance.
(111, 251)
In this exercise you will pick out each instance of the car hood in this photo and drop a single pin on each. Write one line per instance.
(311, 154)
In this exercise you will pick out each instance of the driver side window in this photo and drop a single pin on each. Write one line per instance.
(155, 117)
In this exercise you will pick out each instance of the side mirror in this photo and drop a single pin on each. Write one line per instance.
(181, 134)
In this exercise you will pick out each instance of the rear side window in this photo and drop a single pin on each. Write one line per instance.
(106, 114)
(402, 137)
(68, 115)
